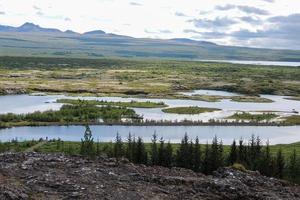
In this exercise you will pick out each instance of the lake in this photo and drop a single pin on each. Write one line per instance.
(28, 103)
(249, 62)
(277, 135)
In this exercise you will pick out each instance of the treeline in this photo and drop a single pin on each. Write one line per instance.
(252, 155)
(72, 113)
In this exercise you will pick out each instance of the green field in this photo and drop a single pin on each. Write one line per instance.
(51, 147)
(143, 78)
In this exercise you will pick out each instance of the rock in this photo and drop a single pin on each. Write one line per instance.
(58, 176)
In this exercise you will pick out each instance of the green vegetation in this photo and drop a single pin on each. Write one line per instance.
(189, 110)
(131, 104)
(281, 161)
(142, 78)
(69, 114)
(253, 117)
(254, 99)
(293, 120)
(293, 98)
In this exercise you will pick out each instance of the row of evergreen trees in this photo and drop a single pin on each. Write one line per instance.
(206, 159)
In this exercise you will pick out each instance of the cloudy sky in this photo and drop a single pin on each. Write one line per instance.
(261, 23)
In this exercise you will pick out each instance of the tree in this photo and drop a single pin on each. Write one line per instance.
(205, 165)
(182, 156)
(87, 144)
(242, 153)
(293, 166)
(197, 156)
(216, 155)
(266, 161)
(161, 152)
(280, 163)
(154, 150)
(168, 155)
(129, 150)
(141, 154)
(233, 155)
(118, 147)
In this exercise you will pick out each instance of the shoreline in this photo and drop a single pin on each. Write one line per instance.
(150, 124)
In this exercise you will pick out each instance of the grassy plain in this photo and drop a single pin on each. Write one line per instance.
(65, 146)
(142, 78)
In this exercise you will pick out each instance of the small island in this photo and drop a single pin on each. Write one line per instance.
(130, 104)
(193, 110)
(245, 116)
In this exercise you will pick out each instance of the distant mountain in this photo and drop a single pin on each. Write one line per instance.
(96, 32)
(18, 41)
(28, 27)
(186, 40)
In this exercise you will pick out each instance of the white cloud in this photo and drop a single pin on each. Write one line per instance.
(164, 18)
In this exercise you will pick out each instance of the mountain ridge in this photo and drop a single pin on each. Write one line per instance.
(32, 40)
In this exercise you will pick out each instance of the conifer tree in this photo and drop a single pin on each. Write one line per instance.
(242, 152)
(118, 147)
(280, 164)
(161, 152)
(215, 156)
(141, 154)
(87, 144)
(205, 165)
(197, 156)
(129, 150)
(293, 166)
(168, 155)
(233, 155)
(182, 157)
(154, 150)
(266, 161)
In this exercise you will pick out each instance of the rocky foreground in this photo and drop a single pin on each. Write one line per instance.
(56, 176)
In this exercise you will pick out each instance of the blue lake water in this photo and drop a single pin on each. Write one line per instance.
(27, 104)
(249, 62)
(276, 135)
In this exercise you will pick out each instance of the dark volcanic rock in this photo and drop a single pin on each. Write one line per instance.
(56, 176)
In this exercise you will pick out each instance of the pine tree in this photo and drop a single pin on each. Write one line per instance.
(266, 161)
(118, 147)
(242, 153)
(197, 156)
(293, 166)
(154, 150)
(87, 144)
(141, 153)
(221, 154)
(129, 150)
(182, 156)
(161, 152)
(168, 155)
(233, 155)
(216, 155)
(205, 166)
(280, 163)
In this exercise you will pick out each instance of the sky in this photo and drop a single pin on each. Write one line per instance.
(251, 23)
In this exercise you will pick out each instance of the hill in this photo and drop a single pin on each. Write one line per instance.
(57, 176)
(33, 40)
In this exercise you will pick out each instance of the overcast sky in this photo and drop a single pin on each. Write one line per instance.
(255, 23)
